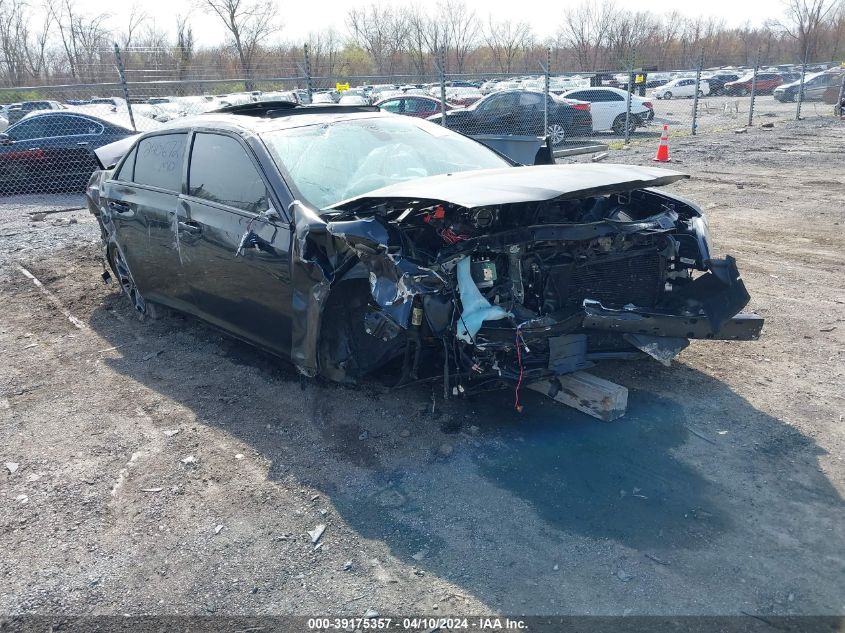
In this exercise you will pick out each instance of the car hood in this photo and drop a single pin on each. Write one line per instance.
(109, 155)
(512, 185)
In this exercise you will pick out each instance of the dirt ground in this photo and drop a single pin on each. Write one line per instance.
(160, 467)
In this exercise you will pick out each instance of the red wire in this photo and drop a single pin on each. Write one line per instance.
(516, 404)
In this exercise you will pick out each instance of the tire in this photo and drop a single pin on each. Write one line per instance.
(124, 277)
(793, 97)
(744, 92)
(667, 95)
(556, 133)
(618, 126)
(347, 351)
(700, 94)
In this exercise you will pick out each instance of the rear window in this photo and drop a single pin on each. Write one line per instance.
(159, 160)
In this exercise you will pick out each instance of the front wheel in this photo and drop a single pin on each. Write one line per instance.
(667, 95)
(700, 94)
(130, 289)
(556, 133)
(793, 97)
(744, 92)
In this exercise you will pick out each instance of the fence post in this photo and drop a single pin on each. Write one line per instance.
(841, 97)
(628, 99)
(309, 85)
(546, 71)
(441, 68)
(801, 83)
(122, 73)
(753, 89)
(695, 98)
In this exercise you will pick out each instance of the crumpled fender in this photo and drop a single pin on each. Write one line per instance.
(324, 252)
(312, 273)
(394, 279)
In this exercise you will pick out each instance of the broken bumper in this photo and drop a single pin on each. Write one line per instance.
(742, 327)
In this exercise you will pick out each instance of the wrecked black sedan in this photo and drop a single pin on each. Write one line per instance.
(346, 239)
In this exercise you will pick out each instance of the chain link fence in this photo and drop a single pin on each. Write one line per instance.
(48, 133)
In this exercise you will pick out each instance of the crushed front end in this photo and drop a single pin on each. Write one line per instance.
(484, 294)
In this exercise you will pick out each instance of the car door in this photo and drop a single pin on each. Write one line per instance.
(69, 140)
(495, 115)
(528, 115)
(143, 201)
(814, 89)
(237, 260)
(396, 106)
(24, 164)
(420, 108)
(601, 110)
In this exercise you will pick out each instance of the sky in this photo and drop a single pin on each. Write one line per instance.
(300, 18)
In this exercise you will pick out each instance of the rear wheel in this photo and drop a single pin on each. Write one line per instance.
(619, 124)
(557, 133)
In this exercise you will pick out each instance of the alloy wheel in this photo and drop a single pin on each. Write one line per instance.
(557, 133)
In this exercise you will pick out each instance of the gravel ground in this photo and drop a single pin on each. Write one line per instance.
(160, 467)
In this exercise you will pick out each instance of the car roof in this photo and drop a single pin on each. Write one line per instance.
(300, 116)
(113, 120)
(408, 96)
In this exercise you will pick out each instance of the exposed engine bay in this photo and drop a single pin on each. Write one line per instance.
(518, 291)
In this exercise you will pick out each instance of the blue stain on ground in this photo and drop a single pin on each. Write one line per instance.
(619, 480)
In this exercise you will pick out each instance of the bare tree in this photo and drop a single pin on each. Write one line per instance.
(184, 51)
(463, 28)
(37, 52)
(83, 37)
(804, 22)
(506, 41)
(417, 42)
(324, 48)
(627, 34)
(137, 17)
(13, 40)
(585, 29)
(249, 23)
(380, 31)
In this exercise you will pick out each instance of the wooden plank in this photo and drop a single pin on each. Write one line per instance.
(589, 394)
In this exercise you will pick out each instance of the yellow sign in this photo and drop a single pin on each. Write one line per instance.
(341, 87)
(639, 79)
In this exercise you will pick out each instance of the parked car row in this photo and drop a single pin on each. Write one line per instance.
(54, 150)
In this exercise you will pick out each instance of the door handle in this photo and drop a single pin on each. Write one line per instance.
(190, 227)
(34, 149)
(82, 143)
(119, 207)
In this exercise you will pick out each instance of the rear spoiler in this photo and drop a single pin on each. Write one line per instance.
(109, 155)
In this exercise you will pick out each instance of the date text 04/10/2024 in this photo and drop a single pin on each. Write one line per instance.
(416, 623)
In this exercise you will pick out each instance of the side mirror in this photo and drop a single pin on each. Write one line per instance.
(5, 139)
(269, 215)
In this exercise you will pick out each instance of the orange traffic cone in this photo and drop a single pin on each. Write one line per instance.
(662, 155)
